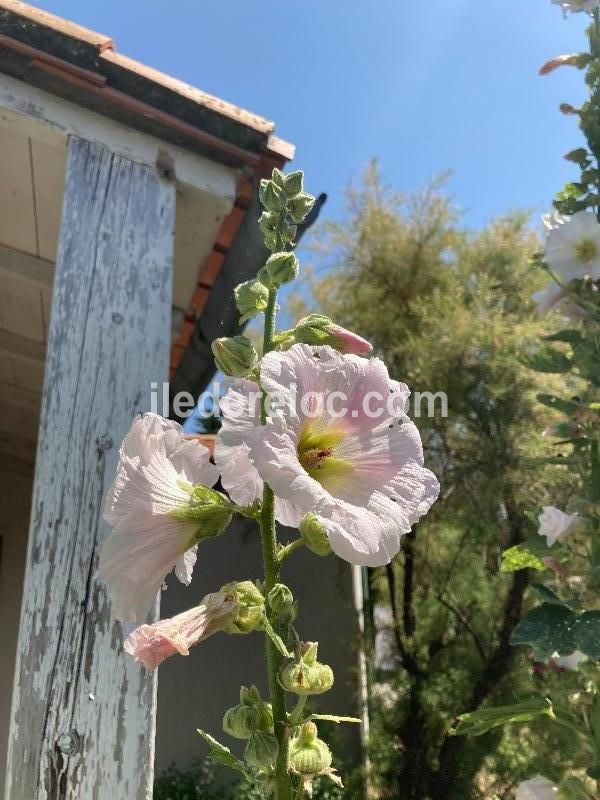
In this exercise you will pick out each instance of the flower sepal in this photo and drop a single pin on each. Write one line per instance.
(251, 715)
(235, 356)
(250, 605)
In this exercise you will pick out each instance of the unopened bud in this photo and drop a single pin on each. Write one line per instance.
(235, 356)
(579, 60)
(278, 178)
(567, 108)
(293, 183)
(280, 268)
(251, 298)
(261, 751)
(268, 227)
(306, 675)
(250, 716)
(318, 329)
(300, 205)
(314, 535)
(207, 509)
(281, 602)
(251, 607)
(309, 755)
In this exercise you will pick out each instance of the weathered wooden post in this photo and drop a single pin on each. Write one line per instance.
(83, 716)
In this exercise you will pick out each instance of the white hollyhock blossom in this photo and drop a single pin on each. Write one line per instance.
(576, 6)
(555, 524)
(156, 465)
(573, 247)
(538, 788)
(322, 450)
(572, 661)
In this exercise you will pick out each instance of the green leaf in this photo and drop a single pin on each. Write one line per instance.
(479, 722)
(547, 359)
(569, 335)
(334, 718)
(222, 755)
(547, 629)
(566, 406)
(587, 634)
(572, 788)
(519, 557)
(547, 594)
(276, 639)
(527, 555)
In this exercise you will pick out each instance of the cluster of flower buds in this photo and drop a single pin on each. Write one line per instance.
(250, 605)
(305, 675)
(285, 203)
(252, 720)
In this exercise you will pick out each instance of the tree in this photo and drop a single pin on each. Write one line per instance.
(450, 312)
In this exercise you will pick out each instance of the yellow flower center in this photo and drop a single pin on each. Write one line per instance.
(316, 453)
(586, 250)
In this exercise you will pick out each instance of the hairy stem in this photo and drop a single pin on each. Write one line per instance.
(283, 790)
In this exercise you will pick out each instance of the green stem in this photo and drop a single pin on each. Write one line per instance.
(286, 551)
(283, 787)
(296, 715)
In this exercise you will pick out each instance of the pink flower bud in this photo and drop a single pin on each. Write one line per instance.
(317, 329)
(570, 60)
(152, 644)
(349, 342)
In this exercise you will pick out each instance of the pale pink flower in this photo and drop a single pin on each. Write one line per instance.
(538, 788)
(361, 472)
(157, 468)
(572, 661)
(555, 524)
(152, 644)
(573, 247)
(575, 6)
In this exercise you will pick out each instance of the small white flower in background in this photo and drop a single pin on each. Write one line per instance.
(538, 788)
(147, 542)
(572, 661)
(150, 645)
(573, 247)
(363, 477)
(555, 524)
(574, 6)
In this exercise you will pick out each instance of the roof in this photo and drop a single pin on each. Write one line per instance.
(84, 66)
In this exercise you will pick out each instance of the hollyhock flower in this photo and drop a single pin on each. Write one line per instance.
(357, 467)
(538, 788)
(146, 506)
(575, 6)
(555, 524)
(573, 248)
(572, 661)
(150, 645)
(549, 298)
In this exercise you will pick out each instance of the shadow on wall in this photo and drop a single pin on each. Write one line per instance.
(194, 692)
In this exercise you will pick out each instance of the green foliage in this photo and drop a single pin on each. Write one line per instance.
(479, 722)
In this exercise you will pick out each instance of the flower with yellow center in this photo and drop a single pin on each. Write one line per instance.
(573, 248)
(334, 446)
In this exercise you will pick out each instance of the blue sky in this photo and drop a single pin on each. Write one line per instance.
(424, 86)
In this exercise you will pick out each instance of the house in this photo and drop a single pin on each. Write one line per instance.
(127, 215)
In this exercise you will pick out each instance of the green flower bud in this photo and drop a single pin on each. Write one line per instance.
(280, 268)
(294, 183)
(300, 206)
(314, 535)
(309, 755)
(268, 226)
(288, 233)
(306, 675)
(251, 607)
(250, 716)
(272, 197)
(235, 356)
(208, 509)
(281, 602)
(261, 751)
(251, 298)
